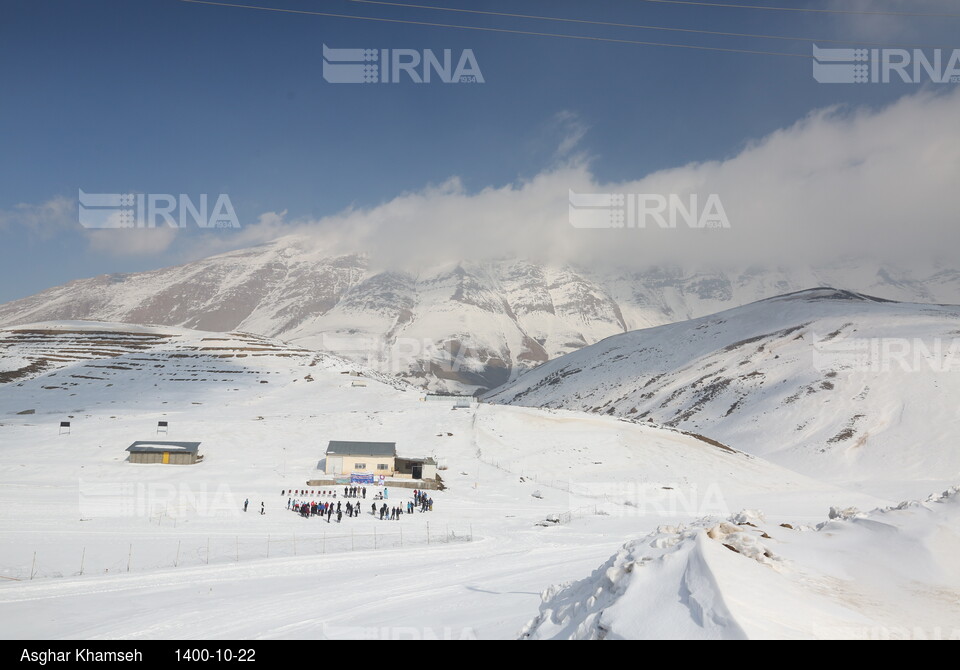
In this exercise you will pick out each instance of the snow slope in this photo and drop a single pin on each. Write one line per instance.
(834, 384)
(886, 574)
(94, 546)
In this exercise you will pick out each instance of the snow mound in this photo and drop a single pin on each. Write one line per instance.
(887, 574)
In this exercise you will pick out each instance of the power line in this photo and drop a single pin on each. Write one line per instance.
(644, 27)
(804, 9)
(755, 52)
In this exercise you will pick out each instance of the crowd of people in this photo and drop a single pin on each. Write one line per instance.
(310, 502)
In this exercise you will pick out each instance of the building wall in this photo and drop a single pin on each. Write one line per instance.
(348, 465)
(175, 458)
(333, 465)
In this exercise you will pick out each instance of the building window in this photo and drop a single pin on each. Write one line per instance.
(359, 466)
(382, 466)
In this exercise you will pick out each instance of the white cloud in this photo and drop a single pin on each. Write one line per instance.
(131, 241)
(571, 130)
(43, 220)
(841, 181)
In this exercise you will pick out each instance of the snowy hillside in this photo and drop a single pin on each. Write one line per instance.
(532, 496)
(887, 574)
(456, 325)
(52, 362)
(830, 383)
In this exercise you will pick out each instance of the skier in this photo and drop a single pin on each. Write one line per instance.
(262, 508)
(245, 503)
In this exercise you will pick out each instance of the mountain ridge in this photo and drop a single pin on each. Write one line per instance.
(463, 326)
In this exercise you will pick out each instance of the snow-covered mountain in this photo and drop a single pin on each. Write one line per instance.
(462, 326)
(831, 383)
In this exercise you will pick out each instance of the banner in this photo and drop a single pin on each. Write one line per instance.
(361, 478)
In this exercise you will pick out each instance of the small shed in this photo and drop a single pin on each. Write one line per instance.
(172, 453)
(348, 457)
(416, 468)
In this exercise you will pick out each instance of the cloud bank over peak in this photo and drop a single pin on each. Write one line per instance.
(878, 182)
(841, 181)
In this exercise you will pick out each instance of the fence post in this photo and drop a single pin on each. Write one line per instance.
(33, 565)
(176, 561)
(129, 556)
(82, 557)
(428, 532)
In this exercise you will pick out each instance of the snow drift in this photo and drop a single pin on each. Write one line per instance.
(889, 573)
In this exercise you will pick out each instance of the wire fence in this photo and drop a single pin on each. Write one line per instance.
(526, 474)
(113, 555)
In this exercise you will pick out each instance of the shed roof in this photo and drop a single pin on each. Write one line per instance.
(350, 448)
(149, 446)
(426, 461)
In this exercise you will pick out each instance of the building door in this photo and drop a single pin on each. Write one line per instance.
(166, 457)
(417, 469)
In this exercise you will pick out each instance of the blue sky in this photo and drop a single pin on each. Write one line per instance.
(164, 96)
